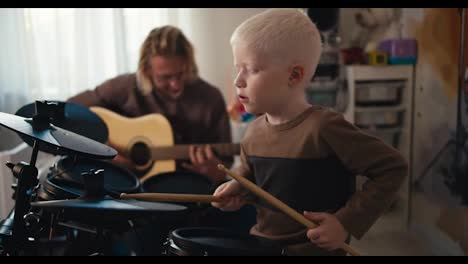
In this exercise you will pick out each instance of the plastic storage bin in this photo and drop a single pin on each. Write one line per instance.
(379, 118)
(400, 51)
(379, 93)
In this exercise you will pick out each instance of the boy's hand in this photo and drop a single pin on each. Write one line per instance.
(329, 234)
(232, 194)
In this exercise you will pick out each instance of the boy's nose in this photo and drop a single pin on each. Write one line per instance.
(239, 83)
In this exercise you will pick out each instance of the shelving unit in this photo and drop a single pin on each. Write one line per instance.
(323, 92)
(391, 119)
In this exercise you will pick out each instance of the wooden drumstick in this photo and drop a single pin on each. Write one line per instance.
(170, 197)
(279, 204)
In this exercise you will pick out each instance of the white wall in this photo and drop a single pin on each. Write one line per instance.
(210, 34)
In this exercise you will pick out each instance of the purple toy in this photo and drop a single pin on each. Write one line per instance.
(400, 51)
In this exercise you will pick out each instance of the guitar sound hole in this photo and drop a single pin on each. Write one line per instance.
(140, 153)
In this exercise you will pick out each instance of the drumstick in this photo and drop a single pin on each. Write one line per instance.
(170, 197)
(278, 204)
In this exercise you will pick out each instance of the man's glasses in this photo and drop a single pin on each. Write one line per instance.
(165, 78)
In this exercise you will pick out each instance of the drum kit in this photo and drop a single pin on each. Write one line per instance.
(85, 201)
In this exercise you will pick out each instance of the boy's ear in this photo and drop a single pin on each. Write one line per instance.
(296, 75)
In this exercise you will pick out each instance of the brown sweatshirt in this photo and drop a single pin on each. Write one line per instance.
(310, 163)
(198, 116)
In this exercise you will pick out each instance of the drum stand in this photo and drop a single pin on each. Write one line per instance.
(17, 240)
(20, 232)
(16, 230)
(461, 132)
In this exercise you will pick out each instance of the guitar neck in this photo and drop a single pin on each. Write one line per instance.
(182, 151)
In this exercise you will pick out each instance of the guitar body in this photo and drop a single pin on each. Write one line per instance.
(153, 130)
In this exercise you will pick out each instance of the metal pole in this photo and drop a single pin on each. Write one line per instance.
(460, 130)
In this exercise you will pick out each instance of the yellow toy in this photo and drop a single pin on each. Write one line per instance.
(377, 58)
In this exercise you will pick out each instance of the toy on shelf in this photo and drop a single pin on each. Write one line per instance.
(237, 112)
(399, 51)
(376, 57)
(353, 55)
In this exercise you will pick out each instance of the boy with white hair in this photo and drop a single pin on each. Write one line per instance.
(305, 155)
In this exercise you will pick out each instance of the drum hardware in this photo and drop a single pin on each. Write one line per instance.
(168, 245)
(3, 253)
(94, 235)
(6, 226)
(55, 139)
(44, 135)
(14, 187)
(79, 226)
(32, 223)
(97, 201)
(69, 116)
(206, 241)
(53, 220)
(27, 178)
(97, 214)
(106, 208)
(65, 181)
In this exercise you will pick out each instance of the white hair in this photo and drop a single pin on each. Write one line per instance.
(285, 34)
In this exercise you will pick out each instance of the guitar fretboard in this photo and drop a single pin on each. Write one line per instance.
(182, 151)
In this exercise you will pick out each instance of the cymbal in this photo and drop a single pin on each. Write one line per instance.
(76, 118)
(109, 205)
(57, 140)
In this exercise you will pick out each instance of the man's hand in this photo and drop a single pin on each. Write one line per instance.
(330, 234)
(205, 162)
(122, 161)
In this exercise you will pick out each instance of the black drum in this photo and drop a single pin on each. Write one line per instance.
(179, 183)
(217, 242)
(64, 180)
(149, 234)
(184, 182)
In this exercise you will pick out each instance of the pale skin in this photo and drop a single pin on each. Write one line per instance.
(277, 91)
(168, 76)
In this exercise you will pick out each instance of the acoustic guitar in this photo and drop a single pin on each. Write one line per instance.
(149, 143)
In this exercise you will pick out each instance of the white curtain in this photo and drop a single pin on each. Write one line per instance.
(54, 53)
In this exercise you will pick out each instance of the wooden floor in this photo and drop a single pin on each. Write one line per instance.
(385, 238)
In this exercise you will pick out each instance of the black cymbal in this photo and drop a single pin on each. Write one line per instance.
(57, 140)
(111, 213)
(76, 118)
(110, 205)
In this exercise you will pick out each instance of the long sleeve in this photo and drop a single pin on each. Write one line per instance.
(110, 94)
(368, 156)
(243, 169)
